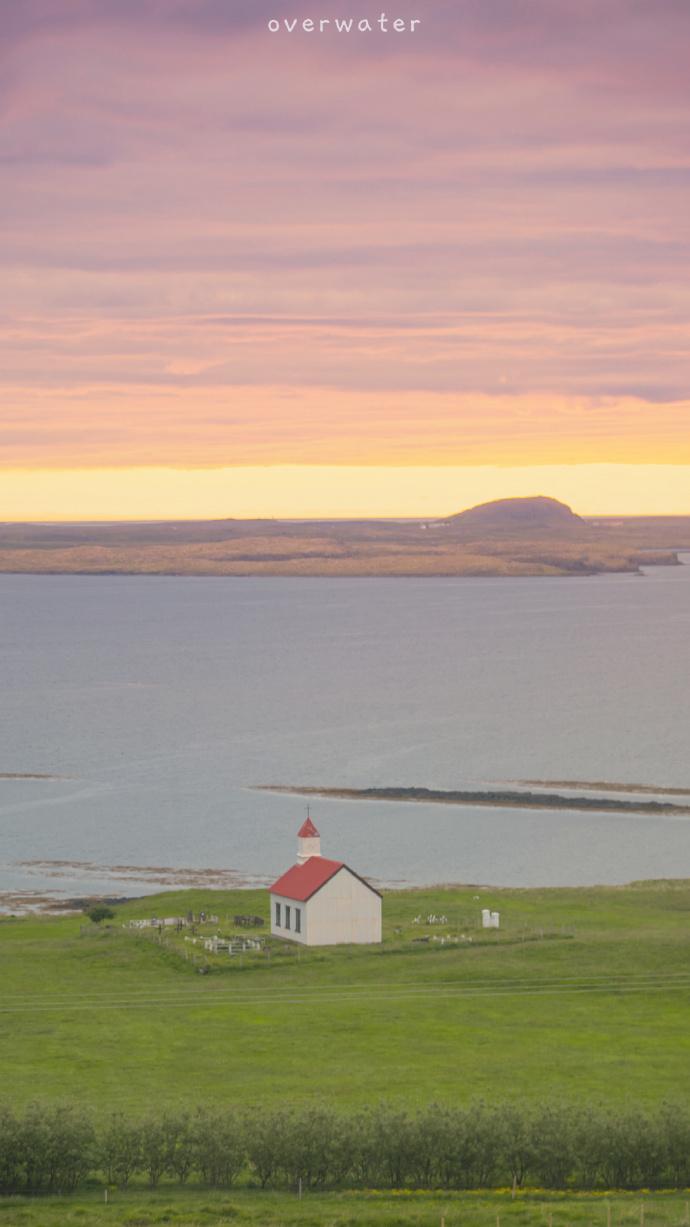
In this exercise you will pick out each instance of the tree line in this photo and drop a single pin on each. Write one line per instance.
(58, 1148)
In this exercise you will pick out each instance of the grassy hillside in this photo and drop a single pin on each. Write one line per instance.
(582, 993)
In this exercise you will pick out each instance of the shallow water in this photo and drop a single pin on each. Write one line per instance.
(162, 700)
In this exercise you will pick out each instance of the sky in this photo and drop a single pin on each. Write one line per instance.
(319, 273)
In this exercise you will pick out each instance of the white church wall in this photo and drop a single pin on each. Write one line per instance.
(296, 913)
(344, 911)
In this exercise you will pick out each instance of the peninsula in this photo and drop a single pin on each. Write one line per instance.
(501, 798)
(509, 537)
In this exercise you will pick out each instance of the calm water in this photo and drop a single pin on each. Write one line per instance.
(164, 699)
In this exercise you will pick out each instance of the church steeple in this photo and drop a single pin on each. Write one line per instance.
(308, 841)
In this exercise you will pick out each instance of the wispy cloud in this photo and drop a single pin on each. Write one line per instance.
(222, 244)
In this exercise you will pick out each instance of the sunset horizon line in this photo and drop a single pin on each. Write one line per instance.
(157, 493)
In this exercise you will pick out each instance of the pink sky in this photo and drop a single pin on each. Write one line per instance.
(226, 247)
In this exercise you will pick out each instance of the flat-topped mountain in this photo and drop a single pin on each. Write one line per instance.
(524, 515)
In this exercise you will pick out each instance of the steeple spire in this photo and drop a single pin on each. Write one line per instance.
(308, 840)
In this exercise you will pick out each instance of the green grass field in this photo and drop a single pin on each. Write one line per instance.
(191, 1208)
(583, 994)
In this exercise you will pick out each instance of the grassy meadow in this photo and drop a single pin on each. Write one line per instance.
(191, 1208)
(583, 994)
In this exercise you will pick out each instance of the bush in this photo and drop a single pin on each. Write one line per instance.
(100, 912)
(55, 1148)
(120, 1149)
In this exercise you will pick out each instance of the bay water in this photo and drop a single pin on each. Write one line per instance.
(156, 704)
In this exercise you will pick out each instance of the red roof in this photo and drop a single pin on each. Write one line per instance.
(303, 881)
(307, 830)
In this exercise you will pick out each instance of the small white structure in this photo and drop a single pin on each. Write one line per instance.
(319, 902)
(490, 920)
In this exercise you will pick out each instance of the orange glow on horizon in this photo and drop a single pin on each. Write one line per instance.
(313, 491)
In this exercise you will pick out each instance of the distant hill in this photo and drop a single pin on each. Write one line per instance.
(518, 515)
(518, 536)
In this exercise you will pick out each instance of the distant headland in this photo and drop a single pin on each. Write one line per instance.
(503, 798)
(519, 515)
(536, 536)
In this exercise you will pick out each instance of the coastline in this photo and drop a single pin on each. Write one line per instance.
(499, 799)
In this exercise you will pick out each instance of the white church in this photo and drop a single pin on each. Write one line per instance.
(323, 903)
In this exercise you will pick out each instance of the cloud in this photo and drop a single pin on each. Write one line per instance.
(200, 214)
